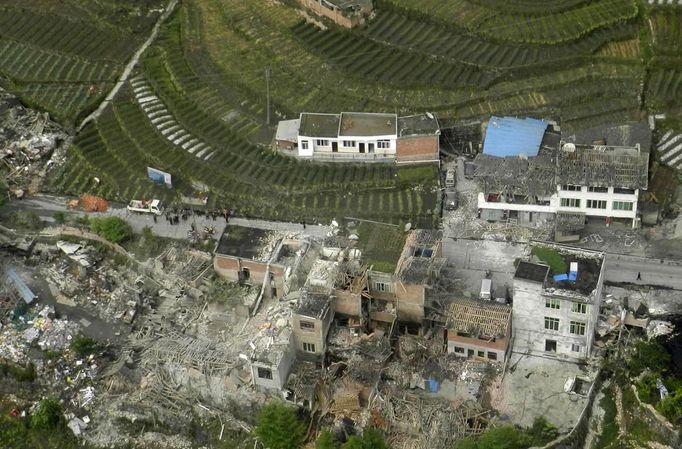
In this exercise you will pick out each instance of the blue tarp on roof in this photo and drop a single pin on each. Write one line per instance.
(511, 136)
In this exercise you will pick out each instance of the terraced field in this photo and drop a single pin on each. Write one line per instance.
(196, 104)
(63, 58)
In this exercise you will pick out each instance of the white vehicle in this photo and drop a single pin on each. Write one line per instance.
(486, 289)
(146, 207)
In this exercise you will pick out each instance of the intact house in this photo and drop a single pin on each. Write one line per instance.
(360, 136)
(528, 176)
(258, 257)
(400, 295)
(554, 314)
(479, 328)
(346, 13)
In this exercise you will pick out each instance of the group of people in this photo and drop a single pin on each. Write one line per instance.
(175, 214)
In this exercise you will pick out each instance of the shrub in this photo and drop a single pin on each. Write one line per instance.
(278, 427)
(114, 229)
(49, 415)
(671, 407)
(370, 439)
(25, 221)
(649, 355)
(647, 389)
(83, 346)
(326, 440)
(59, 217)
(542, 431)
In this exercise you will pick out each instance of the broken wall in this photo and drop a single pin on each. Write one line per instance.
(229, 267)
(472, 346)
(410, 302)
(347, 303)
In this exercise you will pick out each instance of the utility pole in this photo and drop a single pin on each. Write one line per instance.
(267, 89)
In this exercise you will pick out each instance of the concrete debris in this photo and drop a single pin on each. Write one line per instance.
(27, 140)
(657, 328)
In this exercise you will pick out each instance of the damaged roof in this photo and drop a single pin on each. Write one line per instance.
(381, 245)
(319, 125)
(520, 176)
(243, 242)
(418, 125)
(419, 259)
(570, 221)
(603, 166)
(625, 135)
(313, 305)
(531, 271)
(366, 124)
(479, 318)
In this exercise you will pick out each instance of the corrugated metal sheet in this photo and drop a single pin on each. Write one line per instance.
(511, 136)
(13, 279)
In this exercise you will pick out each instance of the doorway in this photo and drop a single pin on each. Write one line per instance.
(335, 147)
(370, 148)
(361, 145)
(550, 345)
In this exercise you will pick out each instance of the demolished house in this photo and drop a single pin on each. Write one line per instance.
(555, 313)
(258, 257)
(479, 328)
(400, 295)
(528, 176)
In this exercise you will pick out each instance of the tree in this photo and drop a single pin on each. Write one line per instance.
(59, 217)
(114, 229)
(505, 437)
(326, 440)
(671, 407)
(370, 439)
(83, 346)
(48, 415)
(279, 428)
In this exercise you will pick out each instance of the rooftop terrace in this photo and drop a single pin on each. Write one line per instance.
(243, 242)
(319, 125)
(367, 124)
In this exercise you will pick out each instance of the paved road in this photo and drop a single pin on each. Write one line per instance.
(46, 206)
(661, 272)
(131, 64)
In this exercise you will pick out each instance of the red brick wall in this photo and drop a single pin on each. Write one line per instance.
(229, 267)
(417, 148)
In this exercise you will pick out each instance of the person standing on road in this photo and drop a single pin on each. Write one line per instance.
(154, 217)
(639, 276)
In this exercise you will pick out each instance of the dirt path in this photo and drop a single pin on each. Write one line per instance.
(131, 64)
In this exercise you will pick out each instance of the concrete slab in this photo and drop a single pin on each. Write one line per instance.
(536, 388)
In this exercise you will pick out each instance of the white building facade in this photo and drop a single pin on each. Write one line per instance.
(348, 133)
(557, 319)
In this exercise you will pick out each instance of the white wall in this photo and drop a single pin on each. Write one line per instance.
(311, 145)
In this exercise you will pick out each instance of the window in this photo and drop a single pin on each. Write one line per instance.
(459, 350)
(481, 353)
(309, 347)
(264, 373)
(385, 144)
(624, 191)
(551, 324)
(575, 348)
(577, 328)
(246, 274)
(570, 188)
(622, 205)
(306, 325)
(349, 143)
(321, 142)
(381, 287)
(596, 204)
(598, 189)
(550, 345)
(578, 307)
(553, 303)
(492, 355)
(570, 202)
(304, 144)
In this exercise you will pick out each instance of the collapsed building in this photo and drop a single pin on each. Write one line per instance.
(554, 313)
(529, 175)
(346, 13)
(479, 328)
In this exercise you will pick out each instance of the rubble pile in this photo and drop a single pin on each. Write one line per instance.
(27, 140)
